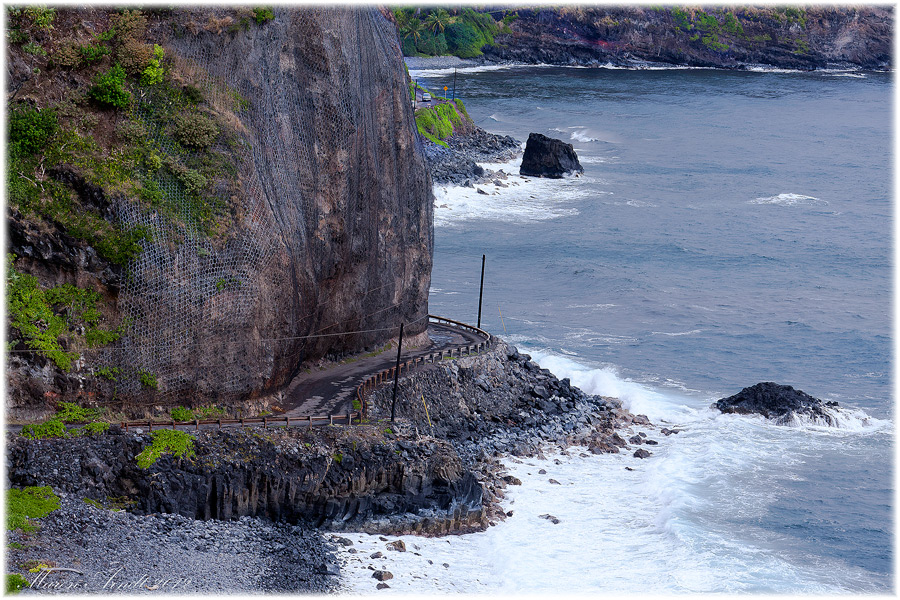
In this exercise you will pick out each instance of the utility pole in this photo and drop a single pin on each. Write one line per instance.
(415, 97)
(454, 84)
(397, 372)
(481, 291)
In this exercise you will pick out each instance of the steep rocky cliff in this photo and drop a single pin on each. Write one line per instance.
(228, 189)
(798, 37)
(337, 477)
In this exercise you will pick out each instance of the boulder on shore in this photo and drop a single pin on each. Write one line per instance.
(548, 157)
(781, 403)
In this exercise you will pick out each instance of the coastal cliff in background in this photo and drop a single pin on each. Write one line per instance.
(727, 37)
(202, 199)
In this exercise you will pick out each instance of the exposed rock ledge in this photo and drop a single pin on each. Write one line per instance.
(325, 476)
(458, 163)
(382, 477)
(780, 403)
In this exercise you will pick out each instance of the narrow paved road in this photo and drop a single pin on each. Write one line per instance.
(432, 103)
(331, 391)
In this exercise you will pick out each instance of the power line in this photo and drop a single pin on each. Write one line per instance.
(284, 339)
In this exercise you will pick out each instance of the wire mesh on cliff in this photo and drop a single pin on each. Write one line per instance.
(330, 231)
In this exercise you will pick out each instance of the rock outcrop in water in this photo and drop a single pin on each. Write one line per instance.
(548, 157)
(781, 403)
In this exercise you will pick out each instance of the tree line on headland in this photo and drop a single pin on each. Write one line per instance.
(786, 36)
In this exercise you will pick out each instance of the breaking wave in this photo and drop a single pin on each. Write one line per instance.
(789, 199)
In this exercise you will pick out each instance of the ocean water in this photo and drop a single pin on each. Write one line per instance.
(729, 228)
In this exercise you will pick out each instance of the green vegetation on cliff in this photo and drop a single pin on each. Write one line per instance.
(68, 412)
(40, 318)
(438, 122)
(680, 34)
(436, 31)
(166, 441)
(160, 156)
(28, 503)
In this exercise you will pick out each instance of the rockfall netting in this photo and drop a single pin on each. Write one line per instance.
(325, 229)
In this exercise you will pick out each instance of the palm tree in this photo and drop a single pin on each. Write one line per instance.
(414, 30)
(437, 20)
(402, 19)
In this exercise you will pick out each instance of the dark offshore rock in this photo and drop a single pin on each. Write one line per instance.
(548, 157)
(641, 453)
(551, 518)
(297, 476)
(781, 403)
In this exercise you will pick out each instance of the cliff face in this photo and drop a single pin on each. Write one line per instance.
(276, 196)
(335, 477)
(796, 37)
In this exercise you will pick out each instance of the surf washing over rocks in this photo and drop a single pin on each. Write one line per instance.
(699, 254)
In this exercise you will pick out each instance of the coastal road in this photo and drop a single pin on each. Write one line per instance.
(330, 391)
(434, 100)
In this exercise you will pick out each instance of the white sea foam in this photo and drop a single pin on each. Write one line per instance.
(789, 199)
(580, 136)
(426, 73)
(597, 160)
(677, 333)
(845, 419)
(758, 68)
(770, 69)
(847, 74)
(593, 307)
(525, 199)
(665, 526)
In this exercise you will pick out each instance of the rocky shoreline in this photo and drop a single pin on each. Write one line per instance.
(458, 163)
(502, 404)
(481, 409)
(799, 38)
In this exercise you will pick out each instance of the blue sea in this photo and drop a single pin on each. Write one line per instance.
(729, 228)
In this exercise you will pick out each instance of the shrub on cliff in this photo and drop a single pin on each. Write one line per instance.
(67, 56)
(30, 129)
(432, 44)
(408, 46)
(166, 441)
(439, 122)
(180, 413)
(195, 130)
(108, 88)
(154, 72)
(262, 14)
(39, 317)
(134, 56)
(48, 429)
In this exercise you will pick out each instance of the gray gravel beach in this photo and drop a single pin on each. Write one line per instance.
(440, 62)
(116, 552)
